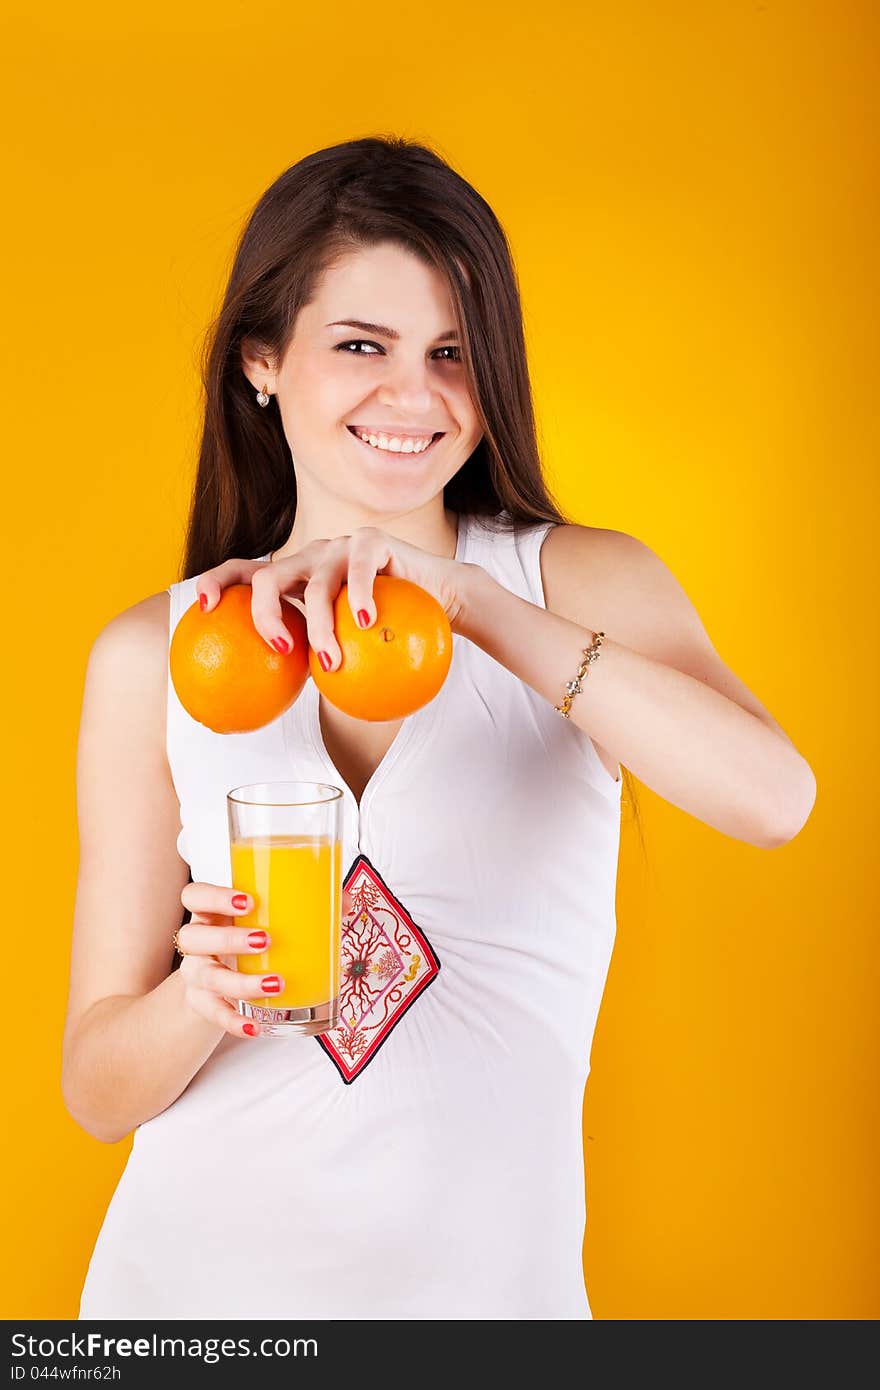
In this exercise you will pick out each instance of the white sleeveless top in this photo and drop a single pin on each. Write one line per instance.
(424, 1159)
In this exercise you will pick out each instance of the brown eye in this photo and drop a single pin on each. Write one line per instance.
(358, 343)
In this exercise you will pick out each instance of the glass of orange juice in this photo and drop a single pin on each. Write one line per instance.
(285, 849)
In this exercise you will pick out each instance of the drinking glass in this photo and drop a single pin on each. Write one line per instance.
(285, 849)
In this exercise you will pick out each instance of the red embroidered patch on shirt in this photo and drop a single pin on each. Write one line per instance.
(385, 964)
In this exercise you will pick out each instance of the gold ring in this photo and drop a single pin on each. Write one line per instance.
(176, 944)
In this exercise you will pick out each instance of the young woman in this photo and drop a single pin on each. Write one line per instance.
(368, 411)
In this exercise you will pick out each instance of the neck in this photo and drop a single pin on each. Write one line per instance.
(435, 531)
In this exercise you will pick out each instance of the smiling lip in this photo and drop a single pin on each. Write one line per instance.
(395, 453)
(392, 433)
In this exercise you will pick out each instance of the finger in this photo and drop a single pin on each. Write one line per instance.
(210, 898)
(321, 590)
(320, 593)
(203, 972)
(225, 1015)
(268, 607)
(211, 583)
(286, 577)
(369, 553)
(235, 985)
(197, 939)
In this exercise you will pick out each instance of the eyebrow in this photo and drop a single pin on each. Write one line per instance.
(382, 331)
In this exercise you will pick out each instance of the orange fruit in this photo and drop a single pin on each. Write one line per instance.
(226, 675)
(391, 669)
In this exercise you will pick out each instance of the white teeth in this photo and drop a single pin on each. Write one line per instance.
(396, 444)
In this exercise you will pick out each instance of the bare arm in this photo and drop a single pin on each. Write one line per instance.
(659, 698)
(131, 1043)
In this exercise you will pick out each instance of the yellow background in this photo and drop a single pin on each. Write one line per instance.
(690, 194)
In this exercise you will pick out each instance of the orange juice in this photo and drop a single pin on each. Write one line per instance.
(296, 885)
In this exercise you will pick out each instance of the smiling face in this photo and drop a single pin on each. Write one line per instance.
(373, 395)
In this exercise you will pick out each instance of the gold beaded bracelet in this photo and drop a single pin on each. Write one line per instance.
(574, 687)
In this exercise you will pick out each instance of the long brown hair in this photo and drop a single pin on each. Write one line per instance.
(338, 200)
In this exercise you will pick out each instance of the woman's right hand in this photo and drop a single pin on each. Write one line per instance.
(210, 943)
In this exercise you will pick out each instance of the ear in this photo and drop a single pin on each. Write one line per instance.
(258, 365)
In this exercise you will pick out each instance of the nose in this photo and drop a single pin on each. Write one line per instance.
(407, 388)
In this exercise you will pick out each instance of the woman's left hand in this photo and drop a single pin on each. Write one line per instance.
(315, 575)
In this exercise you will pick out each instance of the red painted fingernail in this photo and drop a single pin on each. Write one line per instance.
(363, 617)
(270, 984)
(324, 658)
(250, 1028)
(257, 939)
(280, 645)
(203, 601)
(240, 900)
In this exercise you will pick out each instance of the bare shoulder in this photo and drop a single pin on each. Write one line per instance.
(129, 655)
(127, 674)
(610, 581)
(143, 625)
